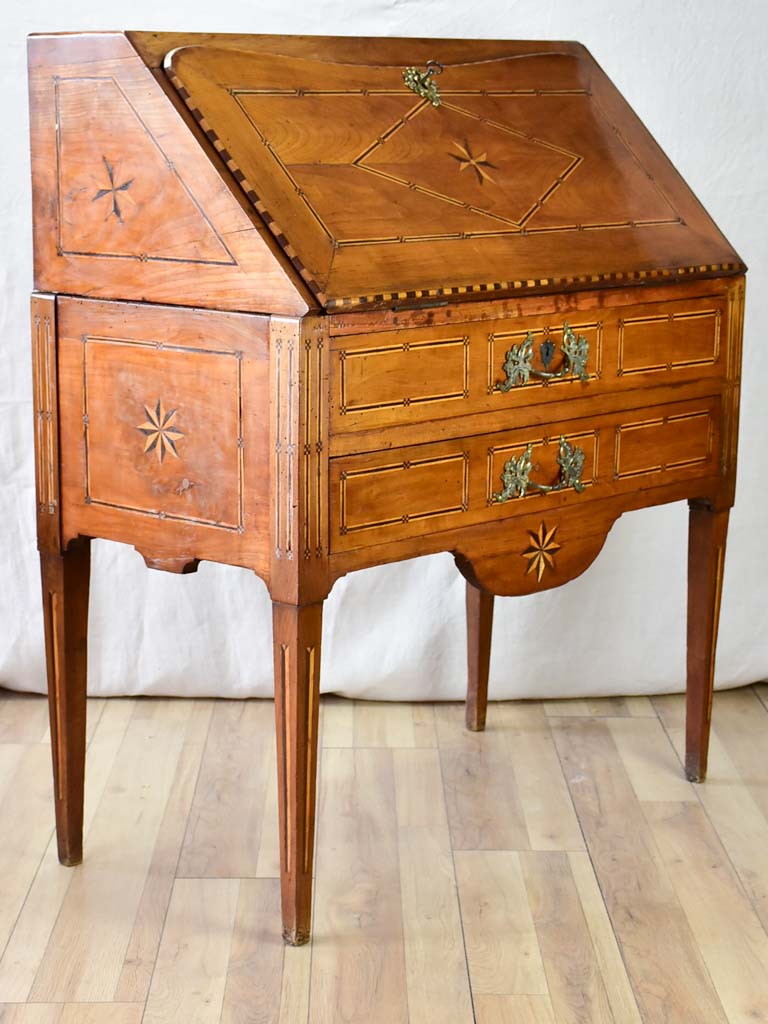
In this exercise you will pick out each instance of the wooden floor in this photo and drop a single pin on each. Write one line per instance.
(557, 868)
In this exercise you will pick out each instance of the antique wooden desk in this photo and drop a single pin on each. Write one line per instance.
(307, 305)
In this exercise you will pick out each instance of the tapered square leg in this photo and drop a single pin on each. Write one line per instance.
(65, 579)
(297, 634)
(479, 629)
(706, 556)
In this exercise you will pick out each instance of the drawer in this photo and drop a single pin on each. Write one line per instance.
(404, 492)
(390, 378)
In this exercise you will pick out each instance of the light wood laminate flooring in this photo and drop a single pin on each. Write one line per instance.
(556, 869)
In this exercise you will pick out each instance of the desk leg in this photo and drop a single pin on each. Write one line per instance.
(479, 628)
(706, 554)
(65, 581)
(296, 635)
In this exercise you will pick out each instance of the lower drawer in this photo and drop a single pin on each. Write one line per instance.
(404, 492)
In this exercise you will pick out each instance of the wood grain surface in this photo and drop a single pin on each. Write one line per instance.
(129, 206)
(370, 200)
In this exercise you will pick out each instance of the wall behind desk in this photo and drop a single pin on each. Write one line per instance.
(696, 72)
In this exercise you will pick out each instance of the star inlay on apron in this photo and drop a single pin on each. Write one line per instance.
(541, 550)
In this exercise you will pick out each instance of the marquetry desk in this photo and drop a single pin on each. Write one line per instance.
(307, 305)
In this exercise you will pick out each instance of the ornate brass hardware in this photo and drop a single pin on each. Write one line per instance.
(518, 360)
(517, 471)
(423, 83)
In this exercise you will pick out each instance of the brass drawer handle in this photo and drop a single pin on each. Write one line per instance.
(517, 471)
(517, 362)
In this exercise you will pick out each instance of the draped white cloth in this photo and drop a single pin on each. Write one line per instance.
(696, 72)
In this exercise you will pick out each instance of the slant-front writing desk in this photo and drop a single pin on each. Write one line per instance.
(307, 305)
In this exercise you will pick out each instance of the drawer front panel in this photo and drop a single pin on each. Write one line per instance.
(544, 456)
(667, 442)
(666, 342)
(371, 496)
(404, 492)
(501, 342)
(407, 376)
(395, 376)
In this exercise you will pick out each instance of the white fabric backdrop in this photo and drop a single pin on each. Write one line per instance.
(696, 72)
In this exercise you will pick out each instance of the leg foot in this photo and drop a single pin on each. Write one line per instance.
(297, 636)
(479, 628)
(706, 555)
(694, 771)
(65, 579)
(295, 937)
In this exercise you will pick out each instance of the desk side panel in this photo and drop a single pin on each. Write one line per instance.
(164, 431)
(127, 205)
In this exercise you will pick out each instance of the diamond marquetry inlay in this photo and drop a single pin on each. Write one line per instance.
(508, 189)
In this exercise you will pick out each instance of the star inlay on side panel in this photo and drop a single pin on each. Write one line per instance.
(161, 436)
(113, 191)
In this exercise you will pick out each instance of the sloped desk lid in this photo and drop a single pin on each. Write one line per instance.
(531, 174)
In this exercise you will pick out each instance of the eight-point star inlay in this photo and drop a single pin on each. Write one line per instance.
(161, 436)
(541, 550)
(112, 191)
(477, 163)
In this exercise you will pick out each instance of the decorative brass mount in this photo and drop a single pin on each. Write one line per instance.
(517, 470)
(423, 83)
(518, 360)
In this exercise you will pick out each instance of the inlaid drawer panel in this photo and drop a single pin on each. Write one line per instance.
(651, 341)
(401, 374)
(405, 492)
(663, 442)
(436, 485)
(413, 375)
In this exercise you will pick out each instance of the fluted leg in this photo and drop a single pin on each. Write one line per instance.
(479, 628)
(65, 579)
(706, 555)
(297, 635)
